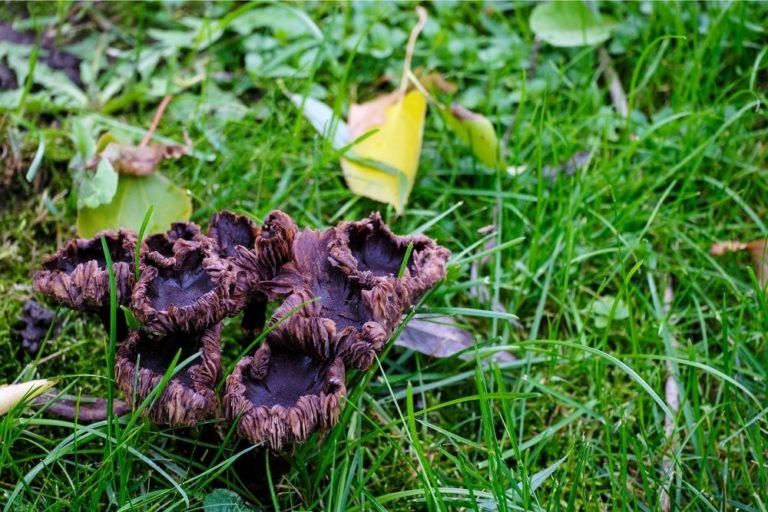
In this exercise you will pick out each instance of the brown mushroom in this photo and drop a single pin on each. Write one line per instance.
(369, 252)
(187, 292)
(32, 326)
(258, 264)
(77, 277)
(160, 246)
(329, 311)
(189, 396)
(229, 231)
(280, 396)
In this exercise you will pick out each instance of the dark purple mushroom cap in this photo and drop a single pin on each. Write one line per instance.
(32, 326)
(189, 396)
(272, 249)
(369, 252)
(329, 311)
(160, 246)
(229, 231)
(187, 292)
(281, 396)
(77, 277)
(260, 262)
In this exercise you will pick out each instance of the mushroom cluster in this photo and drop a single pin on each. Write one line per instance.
(343, 290)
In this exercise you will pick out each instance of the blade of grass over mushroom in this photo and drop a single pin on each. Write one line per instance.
(140, 238)
(112, 428)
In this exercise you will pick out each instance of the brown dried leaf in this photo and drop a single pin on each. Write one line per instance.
(140, 160)
(441, 337)
(756, 248)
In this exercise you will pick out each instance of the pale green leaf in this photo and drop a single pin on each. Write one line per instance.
(476, 131)
(131, 201)
(570, 24)
(223, 500)
(97, 188)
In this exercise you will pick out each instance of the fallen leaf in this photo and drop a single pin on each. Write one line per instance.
(133, 198)
(568, 24)
(476, 131)
(756, 248)
(139, 160)
(97, 187)
(13, 394)
(383, 165)
(322, 119)
(224, 500)
(441, 337)
(601, 309)
(435, 80)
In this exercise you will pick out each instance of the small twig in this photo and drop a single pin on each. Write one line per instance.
(411, 46)
(672, 397)
(534, 58)
(618, 97)
(85, 409)
(156, 120)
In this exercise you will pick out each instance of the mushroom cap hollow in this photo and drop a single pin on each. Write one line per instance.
(77, 275)
(190, 396)
(187, 292)
(281, 396)
(331, 312)
(229, 230)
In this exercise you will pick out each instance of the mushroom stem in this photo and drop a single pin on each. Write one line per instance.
(254, 318)
(122, 324)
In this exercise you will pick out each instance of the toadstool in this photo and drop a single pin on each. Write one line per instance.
(186, 292)
(280, 395)
(77, 275)
(189, 396)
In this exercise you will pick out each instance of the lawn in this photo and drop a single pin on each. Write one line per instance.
(631, 368)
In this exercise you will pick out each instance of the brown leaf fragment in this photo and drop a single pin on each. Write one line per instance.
(756, 248)
(441, 337)
(138, 160)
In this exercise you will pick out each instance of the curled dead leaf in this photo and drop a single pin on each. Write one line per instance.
(139, 160)
(441, 337)
(756, 248)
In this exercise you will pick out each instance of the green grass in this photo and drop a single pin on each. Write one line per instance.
(577, 421)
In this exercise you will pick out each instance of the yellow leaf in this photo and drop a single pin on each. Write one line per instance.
(13, 394)
(383, 166)
(476, 131)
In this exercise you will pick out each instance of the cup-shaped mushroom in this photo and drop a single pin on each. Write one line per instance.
(369, 251)
(258, 263)
(188, 292)
(189, 396)
(338, 318)
(330, 311)
(160, 246)
(77, 275)
(32, 327)
(280, 396)
(229, 231)
(273, 248)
